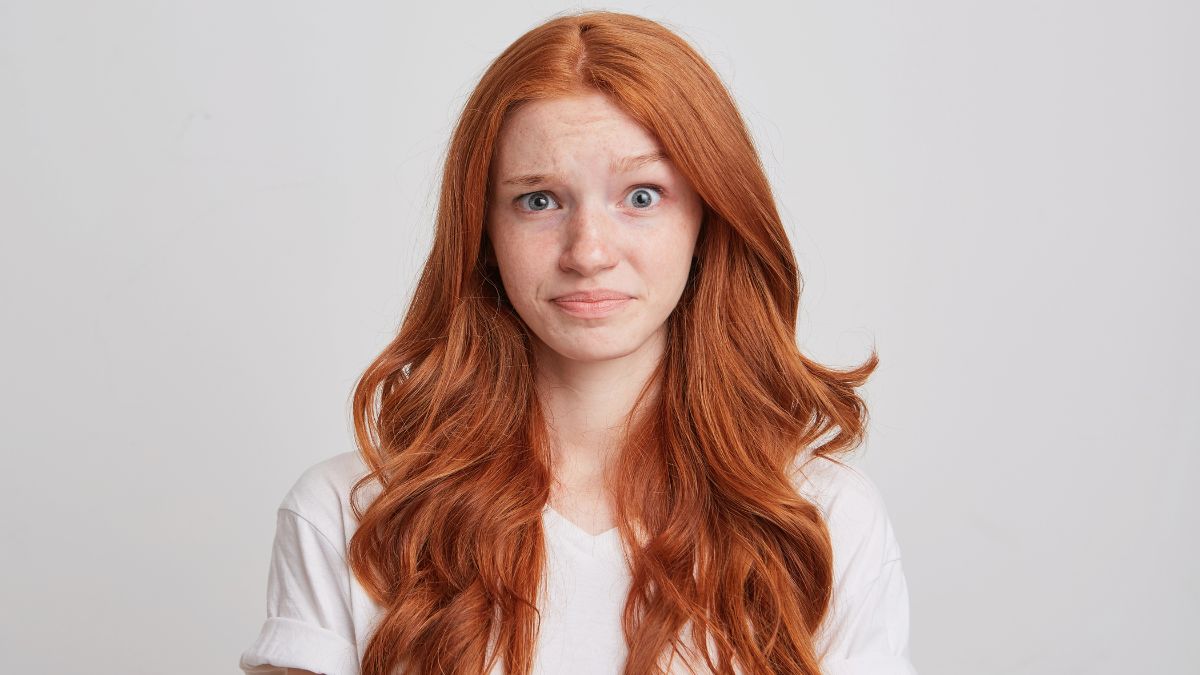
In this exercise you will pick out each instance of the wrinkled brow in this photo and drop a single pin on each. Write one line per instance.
(622, 165)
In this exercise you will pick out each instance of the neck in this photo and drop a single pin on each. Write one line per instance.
(586, 405)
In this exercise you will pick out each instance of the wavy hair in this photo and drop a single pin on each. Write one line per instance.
(721, 546)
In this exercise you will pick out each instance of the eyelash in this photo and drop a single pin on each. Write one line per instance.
(662, 194)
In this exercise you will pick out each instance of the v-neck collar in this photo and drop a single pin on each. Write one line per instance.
(564, 520)
(607, 542)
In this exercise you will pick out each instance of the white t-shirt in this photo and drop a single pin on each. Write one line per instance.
(320, 619)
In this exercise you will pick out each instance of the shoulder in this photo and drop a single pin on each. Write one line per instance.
(860, 529)
(321, 495)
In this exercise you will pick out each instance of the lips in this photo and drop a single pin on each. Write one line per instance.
(594, 304)
(595, 295)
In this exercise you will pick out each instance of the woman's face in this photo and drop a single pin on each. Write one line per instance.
(593, 229)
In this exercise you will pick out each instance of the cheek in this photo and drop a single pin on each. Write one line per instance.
(521, 265)
(665, 263)
(683, 247)
(676, 245)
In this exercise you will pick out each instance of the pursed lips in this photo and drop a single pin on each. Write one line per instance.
(595, 295)
(593, 304)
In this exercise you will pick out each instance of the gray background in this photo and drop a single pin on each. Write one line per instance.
(214, 213)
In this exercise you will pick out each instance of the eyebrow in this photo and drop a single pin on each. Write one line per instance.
(623, 165)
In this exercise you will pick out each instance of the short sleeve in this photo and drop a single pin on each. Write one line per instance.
(870, 628)
(309, 623)
(865, 630)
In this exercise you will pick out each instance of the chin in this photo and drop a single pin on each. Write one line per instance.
(588, 351)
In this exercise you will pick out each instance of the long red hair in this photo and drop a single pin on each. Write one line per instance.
(447, 417)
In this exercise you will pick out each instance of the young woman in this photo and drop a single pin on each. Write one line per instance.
(594, 444)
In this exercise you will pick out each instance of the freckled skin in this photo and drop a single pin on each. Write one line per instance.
(591, 227)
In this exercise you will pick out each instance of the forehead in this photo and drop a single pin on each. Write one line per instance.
(552, 130)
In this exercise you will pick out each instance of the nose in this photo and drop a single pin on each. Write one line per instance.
(590, 248)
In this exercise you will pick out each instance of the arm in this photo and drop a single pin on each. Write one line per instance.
(309, 626)
(865, 630)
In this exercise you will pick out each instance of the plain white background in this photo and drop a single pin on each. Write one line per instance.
(214, 213)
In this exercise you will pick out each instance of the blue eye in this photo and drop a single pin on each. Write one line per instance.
(536, 201)
(644, 197)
